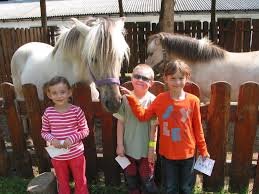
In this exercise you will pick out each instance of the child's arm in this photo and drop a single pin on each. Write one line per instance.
(46, 132)
(141, 113)
(198, 130)
(120, 144)
(82, 132)
(152, 143)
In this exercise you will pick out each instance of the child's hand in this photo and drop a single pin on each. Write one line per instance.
(120, 151)
(67, 143)
(151, 155)
(205, 157)
(124, 90)
(56, 143)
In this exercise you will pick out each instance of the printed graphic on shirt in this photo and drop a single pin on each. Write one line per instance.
(168, 111)
(176, 134)
(185, 114)
(166, 131)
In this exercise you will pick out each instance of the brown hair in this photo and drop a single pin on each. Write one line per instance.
(56, 80)
(177, 65)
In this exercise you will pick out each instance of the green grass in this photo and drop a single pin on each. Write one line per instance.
(13, 185)
(17, 185)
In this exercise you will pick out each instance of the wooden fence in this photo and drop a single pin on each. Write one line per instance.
(233, 35)
(216, 115)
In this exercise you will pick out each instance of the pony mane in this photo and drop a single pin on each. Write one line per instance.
(189, 48)
(101, 48)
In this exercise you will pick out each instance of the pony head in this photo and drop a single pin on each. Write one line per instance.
(98, 48)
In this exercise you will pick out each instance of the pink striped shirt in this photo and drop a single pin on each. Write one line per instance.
(70, 124)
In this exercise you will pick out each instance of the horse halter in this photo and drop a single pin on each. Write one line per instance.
(107, 81)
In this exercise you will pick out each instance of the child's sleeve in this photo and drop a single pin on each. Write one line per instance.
(83, 129)
(198, 130)
(46, 130)
(141, 113)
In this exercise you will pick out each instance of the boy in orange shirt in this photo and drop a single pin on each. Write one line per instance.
(179, 118)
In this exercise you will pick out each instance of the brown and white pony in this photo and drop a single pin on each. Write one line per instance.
(208, 62)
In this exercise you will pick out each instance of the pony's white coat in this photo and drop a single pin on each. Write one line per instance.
(98, 45)
(208, 62)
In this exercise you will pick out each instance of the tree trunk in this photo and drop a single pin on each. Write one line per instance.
(213, 27)
(120, 8)
(44, 19)
(166, 18)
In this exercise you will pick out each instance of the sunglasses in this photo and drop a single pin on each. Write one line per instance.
(138, 77)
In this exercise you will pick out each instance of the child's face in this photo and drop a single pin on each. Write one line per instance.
(175, 82)
(59, 94)
(141, 80)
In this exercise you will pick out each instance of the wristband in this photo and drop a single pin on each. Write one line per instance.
(152, 144)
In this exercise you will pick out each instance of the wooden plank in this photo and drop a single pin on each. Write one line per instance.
(198, 30)
(141, 42)
(205, 29)
(239, 35)
(227, 34)
(23, 36)
(5, 52)
(34, 113)
(218, 121)
(134, 47)
(192, 88)
(187, 29)
(31, 34)
(19, 37)
(109, 124)
(22, 159)
(2, 59)
(82, 98)
(247, 36)
(244, 136)
(255, 35)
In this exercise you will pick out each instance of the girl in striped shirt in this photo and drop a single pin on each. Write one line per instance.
(64, 126)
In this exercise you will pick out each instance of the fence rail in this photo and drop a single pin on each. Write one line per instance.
(216, 115)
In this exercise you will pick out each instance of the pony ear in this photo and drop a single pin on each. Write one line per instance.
(81, 26)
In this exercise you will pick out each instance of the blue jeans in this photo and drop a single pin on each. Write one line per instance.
(179, 175)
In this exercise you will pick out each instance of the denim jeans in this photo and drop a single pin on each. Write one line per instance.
(179, 175)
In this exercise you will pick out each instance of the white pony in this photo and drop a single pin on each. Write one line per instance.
(92, 51)
(208, 62)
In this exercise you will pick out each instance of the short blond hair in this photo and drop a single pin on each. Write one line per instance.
(148, 70)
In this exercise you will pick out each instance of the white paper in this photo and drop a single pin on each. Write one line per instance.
(205, 166)
(123, 161)
(53, 152)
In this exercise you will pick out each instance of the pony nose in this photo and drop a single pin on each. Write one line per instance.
(113, 106)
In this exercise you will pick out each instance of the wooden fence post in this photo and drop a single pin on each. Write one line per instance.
(111, 168)
(23, 164)
(216, 139)
(34, 113)
(244, 136)
(82, 98)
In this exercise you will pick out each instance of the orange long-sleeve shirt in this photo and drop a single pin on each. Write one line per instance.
(180, 124)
